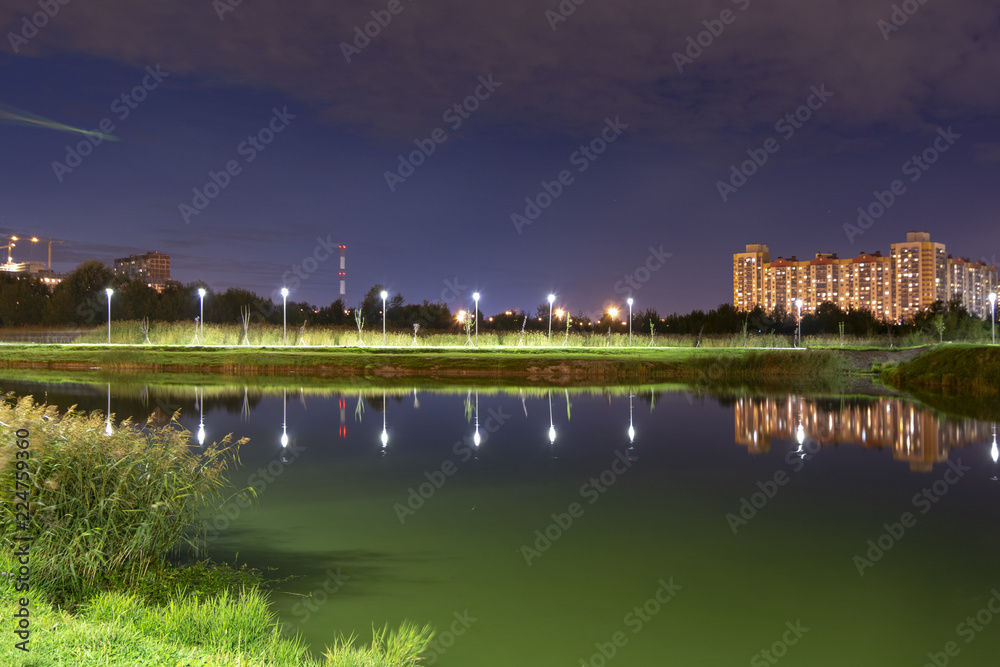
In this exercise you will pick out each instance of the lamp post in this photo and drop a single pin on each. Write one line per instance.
(384, 295)
(552, 297)
(993, 315)
(109, 292)
(798, 328)
(201, 314)
(630, 321)
(284, 316)
(475, 296)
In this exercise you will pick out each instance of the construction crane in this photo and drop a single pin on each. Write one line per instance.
(50, 241)
(9, 247)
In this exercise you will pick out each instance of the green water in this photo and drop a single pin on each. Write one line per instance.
(660, 521)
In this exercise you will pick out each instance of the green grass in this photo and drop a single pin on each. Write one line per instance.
(959, 379)
(543, 364)
(109, 503)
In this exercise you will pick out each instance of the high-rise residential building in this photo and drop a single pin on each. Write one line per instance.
(920, 267)
(748, 276)
(914, 275)
(153, 268)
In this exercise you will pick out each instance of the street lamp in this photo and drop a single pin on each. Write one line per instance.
(993, 315)
(201, 316)
(552, 297)
(798, 329)
(109, 292)
(284, 315)
(630, 321)
(475, 296)
(384, 295)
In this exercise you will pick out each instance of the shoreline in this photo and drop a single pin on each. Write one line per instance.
(557, 365)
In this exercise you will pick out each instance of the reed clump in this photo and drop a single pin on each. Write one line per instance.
(108, 501)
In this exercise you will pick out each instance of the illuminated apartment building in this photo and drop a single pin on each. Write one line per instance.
(972, 282)
(153, 268)
(920, 268)
(748, 276)
(915, 275)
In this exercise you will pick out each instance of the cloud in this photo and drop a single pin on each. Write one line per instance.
(607, 58)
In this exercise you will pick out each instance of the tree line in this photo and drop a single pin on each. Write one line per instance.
(80, 301)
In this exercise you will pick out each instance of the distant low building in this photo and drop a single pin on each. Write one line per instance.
(33, 270)
(153, 268)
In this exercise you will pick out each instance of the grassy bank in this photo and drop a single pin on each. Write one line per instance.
(959, 379)
(601, 365)
(108, 507)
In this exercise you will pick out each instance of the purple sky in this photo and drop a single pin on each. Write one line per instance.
(446, 229)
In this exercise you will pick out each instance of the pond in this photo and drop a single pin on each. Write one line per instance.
(626, 526)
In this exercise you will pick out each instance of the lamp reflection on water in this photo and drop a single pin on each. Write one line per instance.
(385, 434)
(552, 426)
(107, 415)
(632, 456)
(199, 398)
(994, 452)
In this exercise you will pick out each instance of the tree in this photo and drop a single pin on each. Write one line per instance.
(23, 301)
(80, 299)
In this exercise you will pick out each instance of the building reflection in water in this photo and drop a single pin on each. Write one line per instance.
(914, 433)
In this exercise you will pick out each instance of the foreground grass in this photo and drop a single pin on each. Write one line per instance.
(109, 502)
(228, 630)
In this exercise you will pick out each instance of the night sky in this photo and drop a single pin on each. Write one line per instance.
(883, 88)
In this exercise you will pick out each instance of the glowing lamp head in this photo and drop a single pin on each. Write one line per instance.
(385, 439)
(798, 303)
(284, 439)
(993, 298)
(631, 433)
(201, 434)
(202, 292)
(630, 302)
(284, 292)
(109, 292)
(476, 439)
(385, 295)
(552, 297)
(552, 434)
(475, 295)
